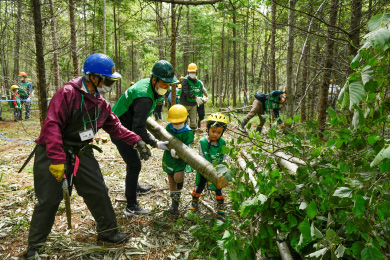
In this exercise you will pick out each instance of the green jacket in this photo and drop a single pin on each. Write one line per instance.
(186, 135)
(195, 89)
(142, 88)
(212, 153)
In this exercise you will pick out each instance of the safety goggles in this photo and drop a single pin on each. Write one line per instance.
(107, 81)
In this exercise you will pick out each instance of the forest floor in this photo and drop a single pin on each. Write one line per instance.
(155, 236)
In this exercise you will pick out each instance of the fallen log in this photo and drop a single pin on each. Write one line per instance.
(196, 161)
(288, 162)
(250, 172)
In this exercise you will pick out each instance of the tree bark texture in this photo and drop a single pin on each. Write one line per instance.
(290, 57)
(104, 26)
(173, 51)
(328, 64)
(73, 38)
(17, 42)
(354, 29)
(40, 58)
(272, 54)
(55, 46)
(196, 161)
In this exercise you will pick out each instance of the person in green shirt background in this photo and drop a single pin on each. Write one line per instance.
(210, 148)
(25, 93)
(171, 163)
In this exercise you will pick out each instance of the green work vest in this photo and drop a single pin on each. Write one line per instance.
(272, 103)
(212, 153)
(186, 135)
(142, 88)
(23, 88)
(195, 89)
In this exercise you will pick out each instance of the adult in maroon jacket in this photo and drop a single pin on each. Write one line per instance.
(75, 114)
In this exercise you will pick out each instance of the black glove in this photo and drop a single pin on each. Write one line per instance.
(143, 150)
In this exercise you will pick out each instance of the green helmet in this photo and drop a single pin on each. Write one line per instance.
(164, 71)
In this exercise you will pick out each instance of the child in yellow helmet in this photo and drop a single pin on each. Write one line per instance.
(171, 163)
(211, 148)
(15, 103)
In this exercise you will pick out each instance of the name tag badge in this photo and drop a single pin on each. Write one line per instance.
(86, 134)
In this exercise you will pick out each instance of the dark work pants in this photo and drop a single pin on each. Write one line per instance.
(202, 184)
(201, 114)
(89, 184)
(133, 168)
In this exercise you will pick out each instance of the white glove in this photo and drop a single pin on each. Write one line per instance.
(174, 154)
(163, 145)
(199, 101)
(205, 99)
(28, 99)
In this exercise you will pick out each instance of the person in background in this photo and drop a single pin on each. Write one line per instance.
(15, 103)
(192, 94)
(133, 109)
(200, 110)
(25, 93)
(171, 163)
(179, 90)
(211, 148)
(158, 110)
(333, 93)
(262, 106)
(75, 114)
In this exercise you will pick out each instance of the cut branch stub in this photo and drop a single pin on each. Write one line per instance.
(196, 161)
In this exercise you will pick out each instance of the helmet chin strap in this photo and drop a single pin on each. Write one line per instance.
(93, 84)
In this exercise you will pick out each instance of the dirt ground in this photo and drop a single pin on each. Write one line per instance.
(156, 236)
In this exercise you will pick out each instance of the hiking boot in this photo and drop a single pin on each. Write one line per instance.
(175, 195)
(143, 189)
(118, 238)
(135, 210)
(220, 205)
(243, 124)
(259, 129)
(32, 251)
(195, 200)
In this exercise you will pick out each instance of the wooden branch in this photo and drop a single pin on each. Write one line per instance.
(284, 251)
(242, 165)
(196, 161)
(184, 2)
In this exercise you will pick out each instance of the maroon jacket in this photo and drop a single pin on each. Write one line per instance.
(64, 101)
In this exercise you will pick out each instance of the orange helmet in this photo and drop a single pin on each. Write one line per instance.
(192, 67)
(22, 73)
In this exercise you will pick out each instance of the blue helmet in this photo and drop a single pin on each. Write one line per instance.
(99, 63)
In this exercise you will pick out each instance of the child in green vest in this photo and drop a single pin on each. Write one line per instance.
(15, 103)
(172, 164)
(211, 149)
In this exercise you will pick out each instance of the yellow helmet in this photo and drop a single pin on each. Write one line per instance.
(192, 67)
(181, 78)
(14, 87)
(177, 114)
(132, 83)
(217, 119)
(179, 86)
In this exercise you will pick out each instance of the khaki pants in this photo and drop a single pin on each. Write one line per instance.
(257, 109)
(192, 112)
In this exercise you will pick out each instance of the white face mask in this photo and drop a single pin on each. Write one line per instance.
(178, 127)
(161, 91)
(104, 89)
(192, 75)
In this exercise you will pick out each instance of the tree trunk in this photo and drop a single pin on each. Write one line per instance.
(73, 38)
(328, 64)
(55, 47)
(290, 58)
(42, 99)
(188, 155)
(222, 58)
(305, 76)
(104, 26)
(187, 45)
(354, 29)
(160, 30)
(86, 52)
(234, 79)
(272, 53)
(173, 51)
(116, 53)
(17, 42)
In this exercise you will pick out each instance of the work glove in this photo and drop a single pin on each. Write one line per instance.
(57, 170)
(205, 99)
(199, 101)
(163, 145)
(28, 99)
(174, 154)
(143, 150)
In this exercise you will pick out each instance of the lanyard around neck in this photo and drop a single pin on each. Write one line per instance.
(81, 109)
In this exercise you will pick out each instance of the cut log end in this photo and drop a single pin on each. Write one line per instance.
(222, 182)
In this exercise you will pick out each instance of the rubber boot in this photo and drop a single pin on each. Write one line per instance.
(195, 201)
(258, 129)
(220, 206)
(243, 124)
(175, 196)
